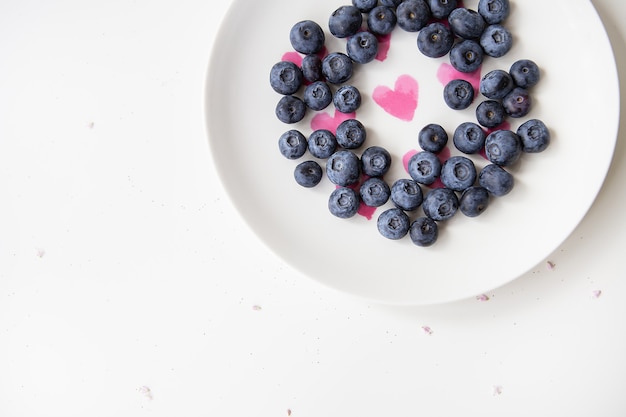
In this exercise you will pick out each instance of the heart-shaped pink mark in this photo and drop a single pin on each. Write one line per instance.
(328, 122)
(400, 102)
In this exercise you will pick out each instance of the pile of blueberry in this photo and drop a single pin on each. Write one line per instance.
(443, 27)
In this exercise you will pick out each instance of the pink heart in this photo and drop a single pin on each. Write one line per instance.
(400, 102)
(328, 122)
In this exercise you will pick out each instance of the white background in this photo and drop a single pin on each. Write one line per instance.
(129, 286)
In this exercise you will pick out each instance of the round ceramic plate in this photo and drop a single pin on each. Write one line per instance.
(577, 98)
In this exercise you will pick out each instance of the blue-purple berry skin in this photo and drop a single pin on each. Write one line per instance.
(424, 167)
(322, 143)
(362, 47)
(440, 204)
(308, 174)
(286, 77)
(413, 15)
(525, 73)
(393, 223)
(517, 103)
(503, 147)
(496, 84)
(424, 231)
(337, 67)
(292, 144)
(406, 194)
(474, 201)
(466, 23)
(382, 20)
(307, 37)
(469, 138)
(290, 109)
(374, 192)
(466, 56)
(344, 202)
(351, 134)
(375, 161)
(494, 11)
(458, 94)
(435, 40)
(312, 68)
(343, 168)
(432, 137)
(535, 136)
(345, 21)
(458, 173)
(495, 179)
(347, 99)
(496, 41)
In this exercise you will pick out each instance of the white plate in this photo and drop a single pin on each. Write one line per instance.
(578, 98)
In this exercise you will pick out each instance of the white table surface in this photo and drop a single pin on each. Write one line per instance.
(130, 287)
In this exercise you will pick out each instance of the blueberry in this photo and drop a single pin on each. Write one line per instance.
(458, 173)
(308, 174)
(391, 3)
(424, 231)
(441, 9)
(474, 201)
(337, 67)
(343, 168)
(292, 144)
(424, 167)
(496, 41)
(525, 73)
(494, 11)
(347, 99)
(406, 194)
(432, 137)
(312, 67)
(351, 134)
(343, 202)
(458, 94)
(307, 37)
(290, 109)
(534, 135)
(490, 113)
(374, 192)
(381, 20)
(322, 143)
(517, 103)
(412, 15)
(466, 23)
(393, 224)
(375, 161)
(286, 77)
(435, 40)
(496, 180)
(466, 56)
(440, 204)
(365, 5)
(362, 47)
(496, 84)
(345, 21)
(469, 138)
(503, 147)
(317, 95)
